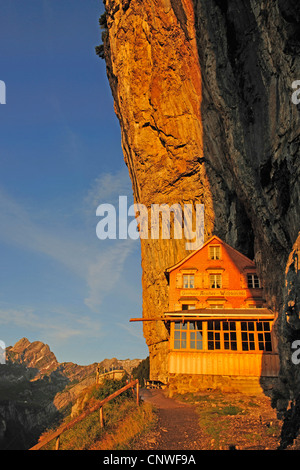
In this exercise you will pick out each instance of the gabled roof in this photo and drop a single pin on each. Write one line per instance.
(213, 238)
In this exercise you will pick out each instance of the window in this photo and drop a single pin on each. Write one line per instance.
(264, 336)
(196, 335)
(215, 281)
(188, 306)
(188, 281)
(256, 336)
(221, 335)
(214, 252)
(188, 335)
(248, 339)
(214, 335)
(229, 335)
(253, 281)
(180, 331)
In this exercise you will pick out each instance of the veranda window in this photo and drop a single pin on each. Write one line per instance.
(256, 336)
(195, 329)
(221, 335)
(188, 335)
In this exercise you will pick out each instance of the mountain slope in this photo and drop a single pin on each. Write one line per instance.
(36, 390)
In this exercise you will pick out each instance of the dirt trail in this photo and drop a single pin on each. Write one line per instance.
(178, 424)
(214, 421)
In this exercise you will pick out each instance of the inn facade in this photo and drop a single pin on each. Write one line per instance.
(221, 332)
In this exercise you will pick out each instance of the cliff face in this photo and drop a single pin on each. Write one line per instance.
(202, 90)
(154, 73)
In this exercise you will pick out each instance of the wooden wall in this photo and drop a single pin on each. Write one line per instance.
(224, 363)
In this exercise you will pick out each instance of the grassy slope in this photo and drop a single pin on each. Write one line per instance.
(124, 421)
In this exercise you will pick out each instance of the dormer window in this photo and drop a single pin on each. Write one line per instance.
(188, 281)
(214, 252)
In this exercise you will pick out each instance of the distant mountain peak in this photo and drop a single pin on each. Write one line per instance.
(36, 355)
(21, 345)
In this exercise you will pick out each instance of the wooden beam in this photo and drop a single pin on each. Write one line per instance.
(148, 319)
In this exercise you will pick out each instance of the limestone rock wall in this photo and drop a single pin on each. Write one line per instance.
(153, 69)
(202, 90)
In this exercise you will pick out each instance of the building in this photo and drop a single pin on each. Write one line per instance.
(220, 330)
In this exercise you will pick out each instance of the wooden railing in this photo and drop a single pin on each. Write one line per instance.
(112, 374)
(73, 422)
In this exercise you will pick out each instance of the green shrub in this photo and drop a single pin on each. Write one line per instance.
(103, 25)
(142, 371)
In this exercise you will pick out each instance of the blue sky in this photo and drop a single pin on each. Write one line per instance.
(60, 157)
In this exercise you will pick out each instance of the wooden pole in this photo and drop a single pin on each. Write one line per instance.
(57, 443)
(137, 393)
(101, 417)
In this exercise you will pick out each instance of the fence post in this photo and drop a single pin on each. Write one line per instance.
(101, 417)
(57, 443)
(137, 393)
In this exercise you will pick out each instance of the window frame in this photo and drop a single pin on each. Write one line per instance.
(217, 336)
(213, 279)
(253, 337)
(185, 333)
(254, 280)
(186, 307)
(190, 277)
(215, 249)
